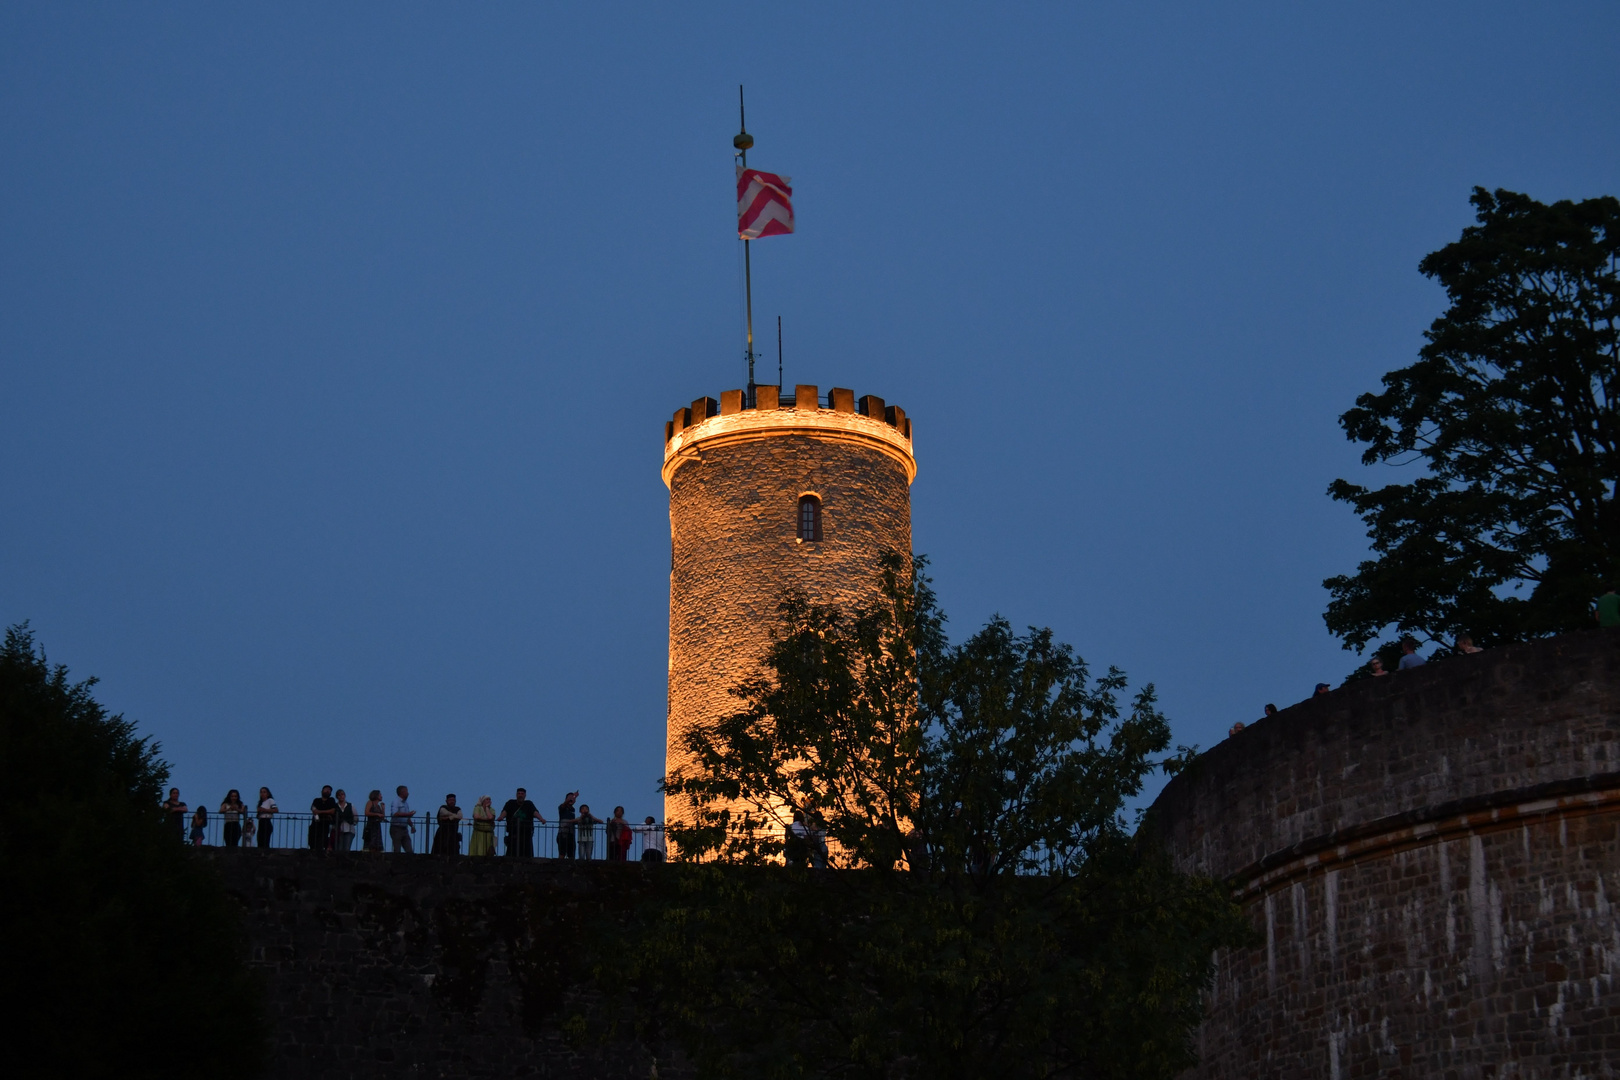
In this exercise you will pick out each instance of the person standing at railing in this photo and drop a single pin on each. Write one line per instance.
(652, 841)
(796, 841)
(818, 842)
(483, 831)
(520, 814)
(266, 814)
(447, 840)
(231, 810)
(400, 825)
(176, 809)
(321, 813)
(618, 836)
(586, 825)
(565, 826)
(343, 823)
(199, 826)
(375, 812)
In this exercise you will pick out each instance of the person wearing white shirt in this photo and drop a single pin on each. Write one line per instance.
(400, 826)
(652, 841)
(266, 814)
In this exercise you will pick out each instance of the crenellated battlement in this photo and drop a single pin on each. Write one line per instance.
(838, 416)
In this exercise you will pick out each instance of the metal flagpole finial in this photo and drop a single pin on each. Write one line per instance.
(744, 142)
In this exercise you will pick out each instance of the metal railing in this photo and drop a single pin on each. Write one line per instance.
(298, 831)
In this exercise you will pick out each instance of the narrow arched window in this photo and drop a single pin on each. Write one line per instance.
(809, 517)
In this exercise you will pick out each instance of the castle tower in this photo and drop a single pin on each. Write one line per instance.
(793, 490)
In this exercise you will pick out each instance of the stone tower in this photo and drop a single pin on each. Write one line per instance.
(791, 490)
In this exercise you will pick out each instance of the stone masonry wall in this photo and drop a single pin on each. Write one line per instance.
(1430, 861)
(387, 966)
(733, 522)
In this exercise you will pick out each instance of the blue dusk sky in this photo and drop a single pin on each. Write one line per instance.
(336, 342)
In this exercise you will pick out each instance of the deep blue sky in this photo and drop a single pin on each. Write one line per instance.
(336, 343)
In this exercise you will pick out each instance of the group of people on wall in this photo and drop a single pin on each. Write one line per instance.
(334, 823)
(1605, 612)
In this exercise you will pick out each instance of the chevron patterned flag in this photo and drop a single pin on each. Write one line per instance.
(764, 204)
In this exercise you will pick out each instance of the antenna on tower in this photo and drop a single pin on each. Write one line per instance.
(742, 142)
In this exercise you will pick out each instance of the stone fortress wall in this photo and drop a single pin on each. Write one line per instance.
(1431, 861)
(736, 472)
(379, 967)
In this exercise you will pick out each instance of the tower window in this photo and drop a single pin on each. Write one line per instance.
(809, 517)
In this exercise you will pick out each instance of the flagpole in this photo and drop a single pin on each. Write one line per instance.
(742, 142)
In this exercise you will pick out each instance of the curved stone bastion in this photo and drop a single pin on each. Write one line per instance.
(1431, 860)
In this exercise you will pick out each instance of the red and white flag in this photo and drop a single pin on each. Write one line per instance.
(764, 204)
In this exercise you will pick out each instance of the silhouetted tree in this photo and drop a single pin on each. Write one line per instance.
(122, 954)
(995, 916)
(1510, 413)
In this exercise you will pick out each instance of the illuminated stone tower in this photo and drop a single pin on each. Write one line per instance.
(792, 491)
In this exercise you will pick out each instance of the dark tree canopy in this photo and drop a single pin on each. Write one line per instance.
(995, 917)
(122, 954)
(1511, 526)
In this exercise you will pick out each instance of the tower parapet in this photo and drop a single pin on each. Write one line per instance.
(792, 490)
(708, 424)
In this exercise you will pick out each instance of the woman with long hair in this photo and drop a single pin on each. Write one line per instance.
(371, 840)
(266, 814)
(618, 836)
(232, 811)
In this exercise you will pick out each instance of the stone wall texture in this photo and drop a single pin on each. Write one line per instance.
(1430, 861)
(388, 966)
(733, 512)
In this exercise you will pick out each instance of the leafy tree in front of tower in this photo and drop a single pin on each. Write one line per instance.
(1510, 419)
(832, 727)
(995, 915)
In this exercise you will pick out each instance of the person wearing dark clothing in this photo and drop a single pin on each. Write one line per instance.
(818, 842)
(376, 812)
(520, 814)
(322, 812)
(565, 826)
(266, 814)
(232, 811)
(176, 810)
(796, 841)
(447, 838)
(1606, 609)
(619, 837)
(343, 823)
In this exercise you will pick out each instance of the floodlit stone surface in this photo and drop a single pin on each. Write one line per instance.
(1432, 859)
(735, 478)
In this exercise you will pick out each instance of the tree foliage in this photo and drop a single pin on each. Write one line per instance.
(122, 953)
(994, 917)
(1510, 409)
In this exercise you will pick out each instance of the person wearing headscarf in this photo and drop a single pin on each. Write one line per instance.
(483, 830)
